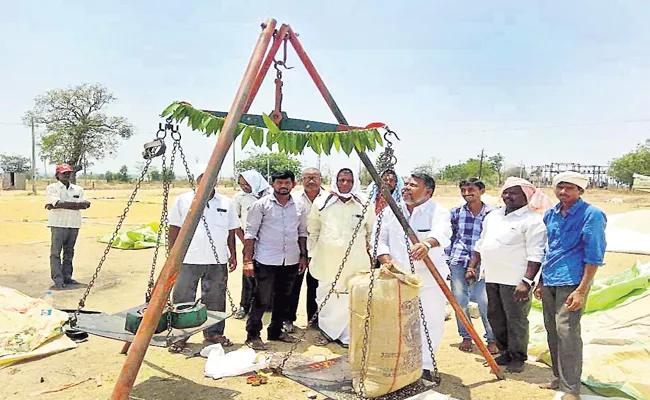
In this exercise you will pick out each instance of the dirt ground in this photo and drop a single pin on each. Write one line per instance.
(24, 265)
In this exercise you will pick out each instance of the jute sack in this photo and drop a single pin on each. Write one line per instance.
(394, 353)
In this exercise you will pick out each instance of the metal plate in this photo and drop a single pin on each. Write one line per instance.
(111, 326)
(332, 378)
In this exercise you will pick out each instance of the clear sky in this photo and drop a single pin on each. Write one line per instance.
(451, 77)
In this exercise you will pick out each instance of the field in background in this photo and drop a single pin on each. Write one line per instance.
(24, 265)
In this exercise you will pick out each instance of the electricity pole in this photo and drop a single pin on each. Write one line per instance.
(480, 164)
(33, 157)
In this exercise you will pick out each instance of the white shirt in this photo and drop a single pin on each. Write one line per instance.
(303, 200)
(330, 232)
(243, 201)
(61, 217)
(221, 218)
(428, 220)
(508, 242)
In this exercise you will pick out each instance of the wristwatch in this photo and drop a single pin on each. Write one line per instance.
(429, 245)
(528, 281)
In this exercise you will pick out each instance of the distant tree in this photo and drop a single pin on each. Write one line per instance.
(517, 171)
(154, 174)
(364, 177)
(168, 175)
(469, 169)
(123, 175)
(622, 169)
(429, 168)
(274, 161)
(109, 176)
(76, 129)
(15, 163)
(496, 162)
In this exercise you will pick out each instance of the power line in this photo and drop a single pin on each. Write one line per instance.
(631, 121)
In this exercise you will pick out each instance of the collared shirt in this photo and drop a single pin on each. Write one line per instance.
(428, 220)
(242, 201)
(574, 239)
(61, 217)
(508, 242)
(330, 233)
(466, 230)
(276, 229)
(221, 218)
(303, 200)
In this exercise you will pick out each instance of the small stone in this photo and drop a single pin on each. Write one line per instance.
(311, 395)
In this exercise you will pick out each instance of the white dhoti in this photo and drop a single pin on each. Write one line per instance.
(433, 304)
(334, 317)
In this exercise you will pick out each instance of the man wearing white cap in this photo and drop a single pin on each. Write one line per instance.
(576, 248)
(200, 263)
(510, 252)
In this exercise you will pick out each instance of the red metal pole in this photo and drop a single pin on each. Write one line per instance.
(393, 205)
(169, 272)
(270, 56)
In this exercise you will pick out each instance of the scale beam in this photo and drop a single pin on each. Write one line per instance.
(289, 124)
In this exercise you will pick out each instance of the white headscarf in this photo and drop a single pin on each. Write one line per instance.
(356, 187)
(575, 178)
(255, 180)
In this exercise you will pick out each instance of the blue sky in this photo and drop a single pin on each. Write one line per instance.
(451, 77)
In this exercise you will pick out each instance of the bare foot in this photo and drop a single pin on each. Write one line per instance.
(492, 348)
(552, 385)
(466, 346)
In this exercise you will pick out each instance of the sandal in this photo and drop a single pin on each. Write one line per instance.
(321, 340)
(177, 347)
(466, 346)
(284, 337)
(494, 350)
(256, 344)
(218, 339)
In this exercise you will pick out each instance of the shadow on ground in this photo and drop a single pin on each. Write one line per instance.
(176, 387)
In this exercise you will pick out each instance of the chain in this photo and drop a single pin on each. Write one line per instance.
(167, 182)
(161, 228)
(366, 324)
(190, 178)
(436, 374)
(332, 290)
(82, 301)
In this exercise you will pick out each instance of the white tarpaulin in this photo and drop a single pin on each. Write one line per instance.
(629, 232)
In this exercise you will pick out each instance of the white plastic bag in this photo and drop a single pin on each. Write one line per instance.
(235, 363)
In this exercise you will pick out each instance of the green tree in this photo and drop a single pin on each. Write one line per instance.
(469, 169)
(109, 176)
(15, 163)
(168, 174)
(622, 169)
(496, 162)
(154, 174)
(123, 175)
(260, 162)
(76, 129)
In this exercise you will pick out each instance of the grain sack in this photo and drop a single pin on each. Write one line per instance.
(394, 354)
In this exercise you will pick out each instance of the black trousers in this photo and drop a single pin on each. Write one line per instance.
(274, 283)
(509, 320)
(247, 287)
(312, 284)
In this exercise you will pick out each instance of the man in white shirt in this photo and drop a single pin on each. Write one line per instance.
(253, 187)
(312, 190)
(510, 252)
(431, 223)
(65, 200)
(200, 263)
(331, 224)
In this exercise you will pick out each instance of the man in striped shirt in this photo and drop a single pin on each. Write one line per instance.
(466, 225)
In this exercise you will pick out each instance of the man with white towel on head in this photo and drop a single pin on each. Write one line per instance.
(331, 224)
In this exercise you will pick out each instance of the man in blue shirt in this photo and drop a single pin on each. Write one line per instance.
(466, 226)
(576, 248)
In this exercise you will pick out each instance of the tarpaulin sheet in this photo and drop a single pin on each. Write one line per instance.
(27, 329)
(142, 237)
(615, 333)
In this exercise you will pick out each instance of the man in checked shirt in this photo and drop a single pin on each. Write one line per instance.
(466, 225)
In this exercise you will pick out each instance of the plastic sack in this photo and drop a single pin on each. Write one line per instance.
(235, 363)
(394, 353)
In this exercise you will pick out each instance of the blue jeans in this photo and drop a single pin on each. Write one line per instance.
(463, 293)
